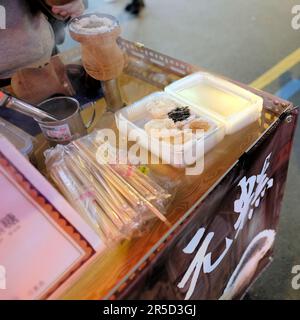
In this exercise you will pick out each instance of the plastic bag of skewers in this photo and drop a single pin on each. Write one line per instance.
(114, 197)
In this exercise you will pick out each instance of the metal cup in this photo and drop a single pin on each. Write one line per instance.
(69, 125)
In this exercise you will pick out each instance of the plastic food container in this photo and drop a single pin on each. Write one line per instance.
(20, 139)
(135, 116)
(225, 105)
(232, 105)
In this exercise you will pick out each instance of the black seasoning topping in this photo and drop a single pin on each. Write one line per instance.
(179, 114)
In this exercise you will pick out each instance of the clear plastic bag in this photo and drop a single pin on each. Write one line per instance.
(115, 199)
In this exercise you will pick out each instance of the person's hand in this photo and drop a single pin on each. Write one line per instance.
(72, 9)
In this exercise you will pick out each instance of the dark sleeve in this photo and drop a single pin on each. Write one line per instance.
(34, 6)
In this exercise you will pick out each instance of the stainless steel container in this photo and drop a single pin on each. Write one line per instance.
(69, 125)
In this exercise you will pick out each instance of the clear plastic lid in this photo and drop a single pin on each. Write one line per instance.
(231, 104)
(20, 139)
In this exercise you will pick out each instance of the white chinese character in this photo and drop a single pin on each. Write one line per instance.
(202, 258)
(253, 189)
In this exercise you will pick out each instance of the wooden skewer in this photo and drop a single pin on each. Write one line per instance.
(83, 149)
(110, 207)
(111, 202)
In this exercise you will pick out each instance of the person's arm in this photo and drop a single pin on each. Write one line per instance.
(72, 9)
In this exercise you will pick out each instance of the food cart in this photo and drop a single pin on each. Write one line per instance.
(222, 223)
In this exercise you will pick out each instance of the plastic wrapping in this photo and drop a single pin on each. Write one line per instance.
(115, 199)
(20, 139)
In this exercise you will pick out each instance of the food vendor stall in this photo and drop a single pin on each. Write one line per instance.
(214, 234)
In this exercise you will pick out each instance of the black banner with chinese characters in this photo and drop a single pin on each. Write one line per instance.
(229, 238)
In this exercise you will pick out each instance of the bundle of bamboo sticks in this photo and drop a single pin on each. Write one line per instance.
(115, 199)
